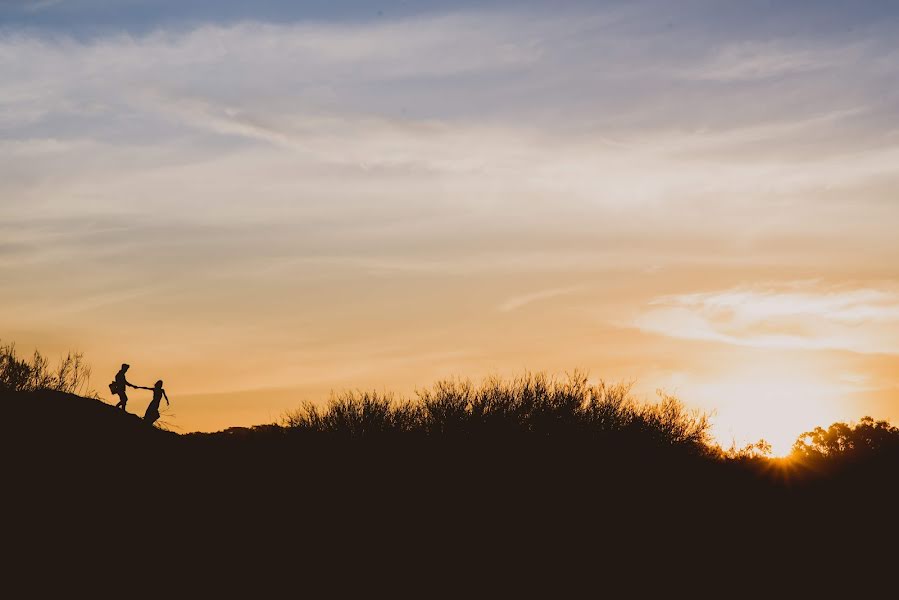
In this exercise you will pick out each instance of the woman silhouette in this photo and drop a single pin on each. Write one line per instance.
(153, 410)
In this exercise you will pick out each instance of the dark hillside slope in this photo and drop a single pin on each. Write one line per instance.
(58, 423)
(47, 431)
(80, 471)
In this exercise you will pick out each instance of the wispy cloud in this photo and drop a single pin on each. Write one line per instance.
(516, 302)
(747, 61)
(803, 315)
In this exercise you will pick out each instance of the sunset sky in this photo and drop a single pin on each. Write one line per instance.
(261, 202)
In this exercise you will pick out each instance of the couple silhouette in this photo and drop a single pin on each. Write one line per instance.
(120, 384)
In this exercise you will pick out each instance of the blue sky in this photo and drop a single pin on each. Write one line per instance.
(96, 17)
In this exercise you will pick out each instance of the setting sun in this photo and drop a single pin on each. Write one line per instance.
(769, 404)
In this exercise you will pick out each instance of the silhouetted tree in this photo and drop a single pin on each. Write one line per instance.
(867, 437)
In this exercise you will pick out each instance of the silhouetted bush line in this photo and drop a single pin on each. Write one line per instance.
(572, 410)
(71, 375)
(534, 405)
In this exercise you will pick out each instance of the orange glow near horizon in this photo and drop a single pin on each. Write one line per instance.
(770, 399)
(771, 383)
(775, 406)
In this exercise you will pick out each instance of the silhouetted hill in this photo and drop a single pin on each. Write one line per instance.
(47, 418)
(366, 437)
(506, 500)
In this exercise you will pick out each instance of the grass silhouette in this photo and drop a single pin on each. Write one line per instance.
(534, 405)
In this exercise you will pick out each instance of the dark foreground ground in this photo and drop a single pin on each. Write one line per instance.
(91, 492)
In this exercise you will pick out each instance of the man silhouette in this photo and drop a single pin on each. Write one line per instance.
(121, 384)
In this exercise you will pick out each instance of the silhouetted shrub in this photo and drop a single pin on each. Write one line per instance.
(356, 414)
(22, 375)
(669, 422)
(759, 450)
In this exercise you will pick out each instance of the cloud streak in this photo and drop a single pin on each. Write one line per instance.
(517, 302)
(796, 316)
